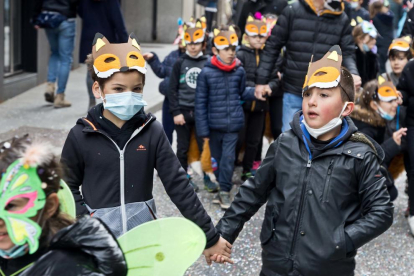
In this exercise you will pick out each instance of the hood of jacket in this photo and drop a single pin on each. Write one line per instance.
(93, 238)
(367, 116)
(309, 4)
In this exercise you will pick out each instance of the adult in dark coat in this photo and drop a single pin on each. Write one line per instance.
(99, 16)
(306, 29)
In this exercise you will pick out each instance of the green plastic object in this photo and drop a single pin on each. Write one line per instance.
(167, 246)
(67, 202)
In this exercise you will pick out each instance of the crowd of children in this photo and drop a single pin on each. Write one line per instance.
(328, 181)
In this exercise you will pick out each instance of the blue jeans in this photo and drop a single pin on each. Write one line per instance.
(223, 149)
(291, 104)
(62, 42)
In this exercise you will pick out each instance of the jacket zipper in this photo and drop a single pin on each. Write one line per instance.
(228, 102)
(301, 203)
(122, 172)
(328, 180)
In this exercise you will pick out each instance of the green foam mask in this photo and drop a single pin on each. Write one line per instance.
(22, 182)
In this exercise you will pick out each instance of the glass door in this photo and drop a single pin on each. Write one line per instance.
(12, 37)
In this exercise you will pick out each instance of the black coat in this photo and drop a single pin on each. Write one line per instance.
(248, 58)
(304, 34)
(406, 86)
(104, 17)
(84, 248)
(367, 64)
(92, 160)
(314, 204)
(408, 28)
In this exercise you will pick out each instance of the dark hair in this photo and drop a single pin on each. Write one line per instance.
(89, 65)
(394, 53)
(375, 8)
(49, 173)
(358, 33)
(347, 86)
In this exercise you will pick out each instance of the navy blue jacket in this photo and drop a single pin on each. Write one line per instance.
(218, 99)
(163, 69)
(103, 16)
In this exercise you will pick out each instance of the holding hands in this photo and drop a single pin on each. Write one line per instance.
(219, 253)
(261, 91)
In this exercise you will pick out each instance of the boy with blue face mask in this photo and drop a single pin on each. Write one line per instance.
(112, 153)
(322, 183)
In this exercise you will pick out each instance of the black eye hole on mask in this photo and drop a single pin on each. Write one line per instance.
(133, 57)
(109, 60)
(320, 73)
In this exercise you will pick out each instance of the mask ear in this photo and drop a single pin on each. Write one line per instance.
(216, 32)
(250, 18)
(99, 41)
(133, 40)
(231, 28)
(381, 80)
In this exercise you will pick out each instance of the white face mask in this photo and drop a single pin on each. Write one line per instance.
(316, 132)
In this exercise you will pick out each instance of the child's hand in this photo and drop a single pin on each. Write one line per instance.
(222, 248)
(148, 56)
(179, 120)
(259, 92)
(398, 134)
(268, 90)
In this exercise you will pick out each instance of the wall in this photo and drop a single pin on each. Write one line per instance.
(1, 51)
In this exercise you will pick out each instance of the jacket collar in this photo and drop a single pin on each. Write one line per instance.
(309, 4)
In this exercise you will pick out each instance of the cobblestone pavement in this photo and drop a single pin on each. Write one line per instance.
(390, 254)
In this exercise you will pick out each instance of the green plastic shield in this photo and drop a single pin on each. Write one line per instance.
(165, 246)
(67, 202)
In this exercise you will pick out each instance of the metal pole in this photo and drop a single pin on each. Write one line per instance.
(154, 19)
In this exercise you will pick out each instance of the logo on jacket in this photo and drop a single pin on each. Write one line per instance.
(141, 147)
(191, 77)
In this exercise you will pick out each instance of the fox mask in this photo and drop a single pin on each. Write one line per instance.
(386, 90)
(256, 27)
(225, 39)
(194, 34)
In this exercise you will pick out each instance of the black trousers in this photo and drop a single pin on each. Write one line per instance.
(251, 135)
(410, 170)
(184, 137)
(276, 113)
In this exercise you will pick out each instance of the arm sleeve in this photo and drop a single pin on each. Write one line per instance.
(176, 184)
(403, 84)
(275, 83)
(173, 91)
(37, 9)
(408, 28)
(114, 14)
(201, 106)
(273, 46)
(157, 66)
(252, 195)
(72, 162)
(391, 149)
(376, 207)
(247, 93)
(348, 50)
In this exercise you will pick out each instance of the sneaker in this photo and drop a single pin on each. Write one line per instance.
(50, 92)
(195, 187)
(60, 101)
(225, 201)
(411, 224)
(216, 199)
(210, 186)
(246, 176)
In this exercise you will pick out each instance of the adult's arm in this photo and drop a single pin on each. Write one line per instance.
(114, 14)
(348, 50)
(201, 105)
(408, 28)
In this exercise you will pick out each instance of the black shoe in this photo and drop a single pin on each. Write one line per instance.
(209, 185)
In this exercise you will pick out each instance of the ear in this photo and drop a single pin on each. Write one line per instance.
(348, 109)
(99, 41)
(51, 206)
(250, 18)
(96, 90)
(216, 32)
(215, 51)
(231, 28)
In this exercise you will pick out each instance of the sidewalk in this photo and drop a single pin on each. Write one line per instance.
(29, 109)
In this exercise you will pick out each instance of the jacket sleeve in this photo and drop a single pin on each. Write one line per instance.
(273, 46)
(404, 85)
(275, 83)
(177, 186)
(376, 207)
(391, 149)
(201, 105)
(73, 163)
(157, 66)
(408, 28)
(251, 196)
(348, 50)
(173, 91)
(247, 93)
(114, 14)
(241, 57)
(37, 9)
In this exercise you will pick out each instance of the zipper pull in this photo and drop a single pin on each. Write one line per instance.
(121, 156)
(309, 163)
(330, 167)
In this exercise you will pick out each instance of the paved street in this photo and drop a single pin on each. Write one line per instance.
(390, 254)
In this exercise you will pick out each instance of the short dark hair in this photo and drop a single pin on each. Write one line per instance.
(89, 65)
(347, 86)
(394, 53)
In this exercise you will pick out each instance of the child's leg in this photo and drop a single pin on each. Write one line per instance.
(254, 133)
(167, 120)
(183, 141)
(226, 164)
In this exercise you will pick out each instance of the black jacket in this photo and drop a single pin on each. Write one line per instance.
(314, 202)
(84, 248)
(304, 34)
(406, 86)
(92, 159)
(367, 65)
(408, 28)
(65, 7)
(249, 59)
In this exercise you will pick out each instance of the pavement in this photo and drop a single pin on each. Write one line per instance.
(390, 254)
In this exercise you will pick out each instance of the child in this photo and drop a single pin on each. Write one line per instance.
(254, 111)
(112, 153)
(399, 53)
(36, 237)
(219, 114)
(365, 36)
(358, 11)
(326, 196)
(376, 107)
(163, 70)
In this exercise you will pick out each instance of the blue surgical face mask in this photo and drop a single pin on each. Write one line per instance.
(384, 114)
(354, 5)
(14, 252)
(123, 105)
(365, 48)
